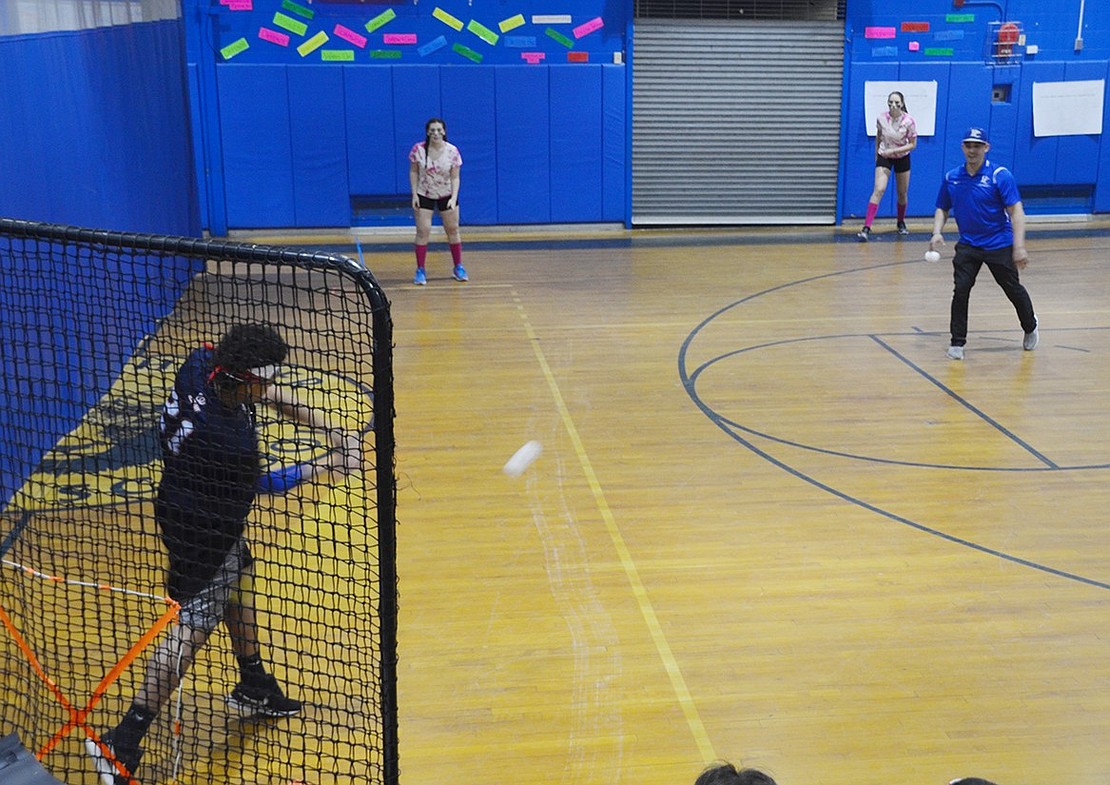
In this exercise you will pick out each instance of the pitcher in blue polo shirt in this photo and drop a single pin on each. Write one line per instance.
(984, 200)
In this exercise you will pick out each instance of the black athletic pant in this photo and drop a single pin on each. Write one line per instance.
(965, 268)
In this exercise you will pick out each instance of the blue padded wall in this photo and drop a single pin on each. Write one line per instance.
(257, 145)
(418, 91)
(95, 129)
(576, 142)
(548, 143)
(524, 173)
(95, 132)
(615, 200)
(318, 143)
(470, 100)
(1060, 172)
(370, 143)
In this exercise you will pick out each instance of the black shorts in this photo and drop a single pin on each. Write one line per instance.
(428, 203)
(897, 164)
(198, 546)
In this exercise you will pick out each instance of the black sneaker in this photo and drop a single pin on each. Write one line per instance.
(902, 229)
(864, 234)
(106, 765)
(264, 699)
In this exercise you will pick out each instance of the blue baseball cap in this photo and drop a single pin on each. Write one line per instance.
(974, 134)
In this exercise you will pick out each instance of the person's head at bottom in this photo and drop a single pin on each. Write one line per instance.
(247, 359)
(727, 774)
(970, 781)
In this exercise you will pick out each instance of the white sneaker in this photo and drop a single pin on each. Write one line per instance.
(1029, 342)
(955, 352)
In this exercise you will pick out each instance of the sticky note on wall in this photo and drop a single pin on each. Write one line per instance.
(234, 48)
(350, 36)
(482, 32)
(588, 27)
(295, 26)
(447, 19)
(312, 44)
(879, 32)
(555, 35)
(385, 16)
(513, 22)
(273, 36)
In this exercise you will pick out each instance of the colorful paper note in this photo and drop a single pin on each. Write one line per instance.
(432, 46)
(588, 27)
(512, 23)
(240, 5)
(297, 9)
(482, 32)
(312, 44)
(959, 18)
(294, 26)
(532, 57)
(447, 19)
(578, 57)
(387, 15)
(337, 55)
(385, 54)
(938, 51)
(557, 36)
(520, 41)
(915, 27)
(273, 36)
(551, 19)
(350, 36)
(914, 46)
(467, 52)
(879, 32)
(948, 35)
(399, 38)
(234, 48)
(884, 51)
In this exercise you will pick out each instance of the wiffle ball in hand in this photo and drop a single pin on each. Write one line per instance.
(932, 256)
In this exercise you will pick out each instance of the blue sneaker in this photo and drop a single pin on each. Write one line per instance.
(460, 273)
(421, 277)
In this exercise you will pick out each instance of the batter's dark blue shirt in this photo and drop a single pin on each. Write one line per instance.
(211, 460)
(978, 203)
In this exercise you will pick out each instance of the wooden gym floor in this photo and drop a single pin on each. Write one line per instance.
(772, 522)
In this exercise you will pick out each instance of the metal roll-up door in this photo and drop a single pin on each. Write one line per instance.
(735, 122)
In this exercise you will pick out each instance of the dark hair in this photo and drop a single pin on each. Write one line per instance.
(247, 346)
(970, 781)
(727, 774)
(428, 138)
(901, 98)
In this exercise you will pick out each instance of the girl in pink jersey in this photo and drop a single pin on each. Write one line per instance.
(895, 138)
(434, 177)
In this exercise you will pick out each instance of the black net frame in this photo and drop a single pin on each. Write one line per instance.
(94, 324)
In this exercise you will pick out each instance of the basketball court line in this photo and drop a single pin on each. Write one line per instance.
(647, 610)
(967, 404)
(689, 382)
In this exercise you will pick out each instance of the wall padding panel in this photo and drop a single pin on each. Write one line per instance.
(257, 146)
(576, 143)
(469, 101)
(524, 171)
(368, 97)
(318, 133)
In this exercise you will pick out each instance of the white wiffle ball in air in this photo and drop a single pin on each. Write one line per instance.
(523, 458)
(932, 256)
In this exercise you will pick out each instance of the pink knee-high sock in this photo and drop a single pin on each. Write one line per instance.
(872, 208)
(456, 253)
(901, 213)
(421, 255)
